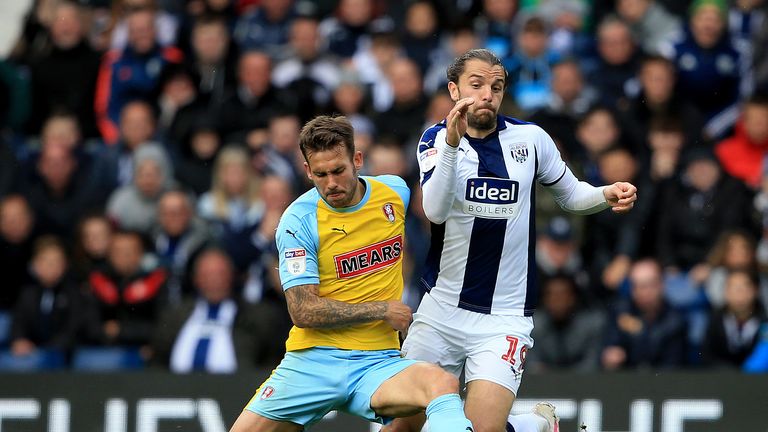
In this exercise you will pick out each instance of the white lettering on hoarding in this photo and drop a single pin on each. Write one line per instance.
(676, 411)
(149, 412)
(116, 416)
(58, 415)
(19, 409)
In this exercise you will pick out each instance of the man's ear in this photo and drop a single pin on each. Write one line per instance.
(453, 89)
(308, 170)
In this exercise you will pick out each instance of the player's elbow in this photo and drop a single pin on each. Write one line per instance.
(566, 204)
(300, 324)
(299, 318)
(565, 207)
(301, 321)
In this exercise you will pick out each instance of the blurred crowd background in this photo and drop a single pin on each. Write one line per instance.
(149, 147)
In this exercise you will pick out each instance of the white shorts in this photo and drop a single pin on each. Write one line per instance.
(488, 347)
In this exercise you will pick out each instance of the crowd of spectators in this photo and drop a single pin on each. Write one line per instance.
(149, 147)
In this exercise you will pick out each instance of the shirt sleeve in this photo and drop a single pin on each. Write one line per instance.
(398, 185)
(437, 165)
(297, 251)
(427, 151)
(576, 196)
(571, 194)
(551, 165)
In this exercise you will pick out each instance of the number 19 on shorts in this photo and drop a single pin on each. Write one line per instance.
(510, 355)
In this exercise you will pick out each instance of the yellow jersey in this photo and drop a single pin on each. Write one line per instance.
(354, 254)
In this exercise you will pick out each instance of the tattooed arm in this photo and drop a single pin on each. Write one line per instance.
(309, 309)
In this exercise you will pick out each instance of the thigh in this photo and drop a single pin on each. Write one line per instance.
(374, 379)
(302, 389)
(249, 421)
(497, 350)
(488, 405)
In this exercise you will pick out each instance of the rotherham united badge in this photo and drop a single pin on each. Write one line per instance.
(389, 212)
(268, 391)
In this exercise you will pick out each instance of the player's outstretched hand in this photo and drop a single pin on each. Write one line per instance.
(456, 122)
(621, 196)
(398, 315)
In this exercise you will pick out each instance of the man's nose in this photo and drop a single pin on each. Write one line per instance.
(487, 93)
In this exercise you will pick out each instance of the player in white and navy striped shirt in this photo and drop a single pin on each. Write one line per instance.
(478, 176)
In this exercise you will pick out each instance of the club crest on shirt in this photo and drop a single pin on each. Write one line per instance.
(296, 261)
(268, 391)
(389, 212)
(519, 151)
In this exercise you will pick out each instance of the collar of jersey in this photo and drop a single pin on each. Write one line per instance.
(357, 206)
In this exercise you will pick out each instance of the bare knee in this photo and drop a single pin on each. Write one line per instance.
(439, 382)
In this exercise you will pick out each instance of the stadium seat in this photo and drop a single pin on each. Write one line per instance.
(39, 360)
(103, 359)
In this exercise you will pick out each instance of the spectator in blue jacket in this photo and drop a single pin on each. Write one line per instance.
(349, 30)
(708, 67)
(131, 74)
(266, 27)
(530, 66)
(613, 73)
(495, 25)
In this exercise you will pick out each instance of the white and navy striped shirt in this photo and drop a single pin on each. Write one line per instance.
(483, 246)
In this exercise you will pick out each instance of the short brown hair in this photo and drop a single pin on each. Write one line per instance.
(326, 133)
(456, 68)
(47, 242)
(534, 25)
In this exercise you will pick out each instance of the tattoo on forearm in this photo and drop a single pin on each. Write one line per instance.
(308, 309)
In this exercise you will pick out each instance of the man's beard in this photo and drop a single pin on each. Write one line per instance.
(483, 122)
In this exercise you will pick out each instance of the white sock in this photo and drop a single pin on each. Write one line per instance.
(527, 423)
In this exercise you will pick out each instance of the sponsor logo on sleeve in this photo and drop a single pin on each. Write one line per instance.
(295, 261)
(369, 259)
(428, 159)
